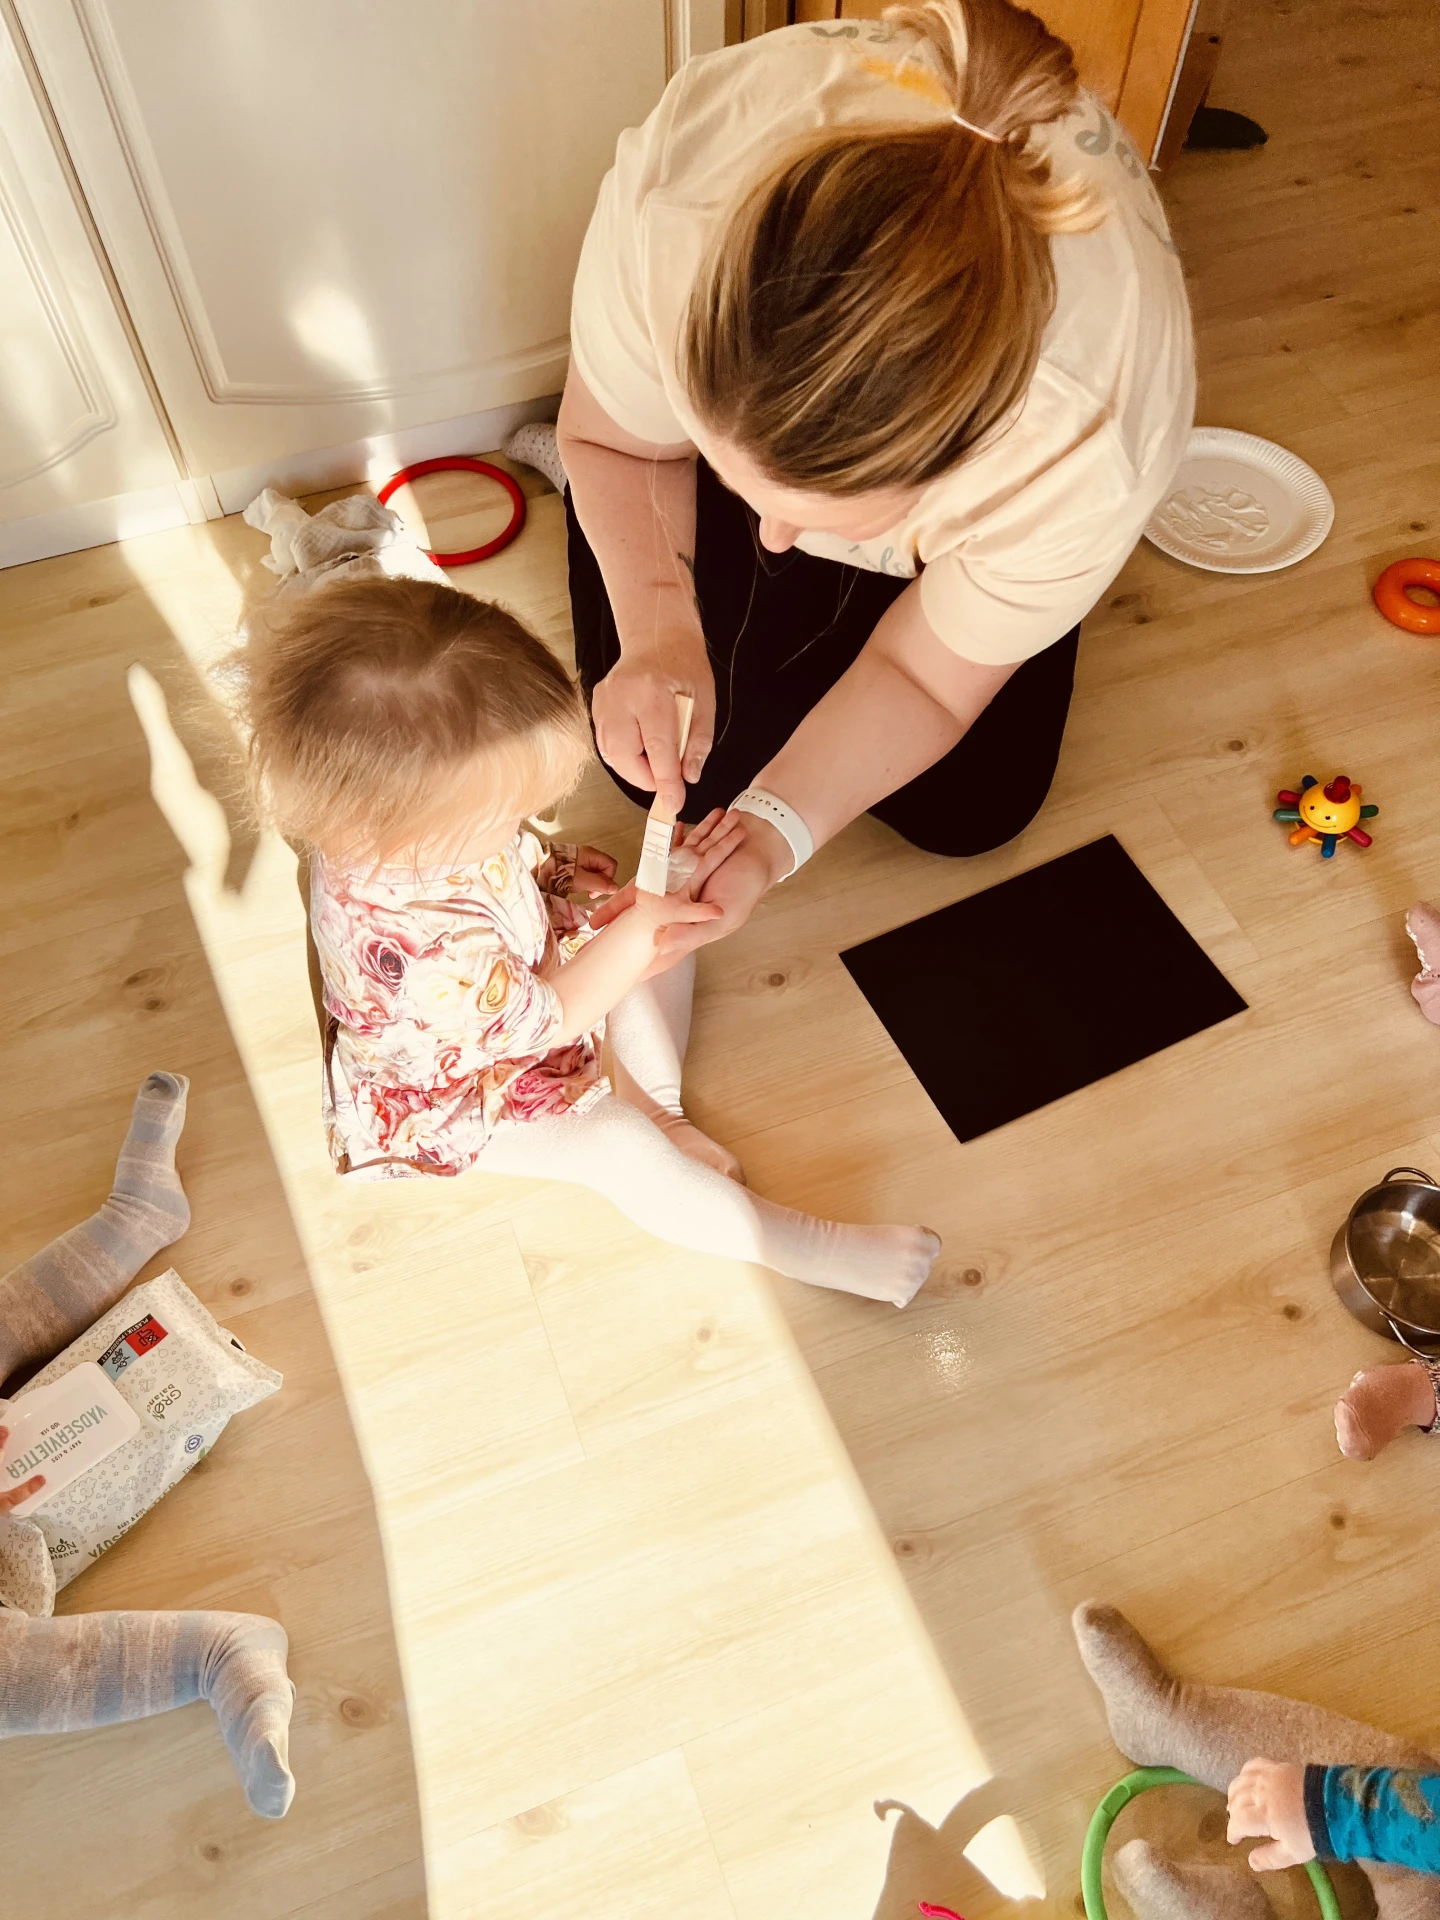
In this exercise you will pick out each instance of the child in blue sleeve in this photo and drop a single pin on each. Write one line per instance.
(1388, 1814)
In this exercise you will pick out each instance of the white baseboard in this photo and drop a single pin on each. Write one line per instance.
(188, 502)
(375, 458)
(96, 524)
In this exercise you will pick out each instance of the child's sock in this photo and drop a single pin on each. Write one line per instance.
(58, 1292)
(1422, 923)
(1210, 1732)
(95, 1669)
(649, 1033)
(1380, 1403)
(537, 446)
(1156, 1888)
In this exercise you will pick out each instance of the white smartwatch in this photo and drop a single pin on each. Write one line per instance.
(786, 822)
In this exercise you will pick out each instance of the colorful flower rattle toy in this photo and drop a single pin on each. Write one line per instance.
(1326, 815)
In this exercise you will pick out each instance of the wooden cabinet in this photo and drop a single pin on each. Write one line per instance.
(1128, 51)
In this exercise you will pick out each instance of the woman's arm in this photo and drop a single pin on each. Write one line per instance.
(904, 704)
(636, 503)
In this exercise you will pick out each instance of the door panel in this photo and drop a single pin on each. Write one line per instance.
(345, 217)
(76, 421)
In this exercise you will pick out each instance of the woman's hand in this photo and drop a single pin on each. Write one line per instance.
(594, 873)
(633, 709)
(709, 845)
(1268, 1798)
(712, 842)
(13, 1496)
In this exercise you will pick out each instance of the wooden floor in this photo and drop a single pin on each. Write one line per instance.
(689, 1567)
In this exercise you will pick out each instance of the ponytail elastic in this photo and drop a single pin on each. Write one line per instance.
(969, 125)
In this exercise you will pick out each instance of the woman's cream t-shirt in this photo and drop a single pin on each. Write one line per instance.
(1021, 539)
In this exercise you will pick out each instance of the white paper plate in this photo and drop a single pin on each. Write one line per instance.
(1241, 505)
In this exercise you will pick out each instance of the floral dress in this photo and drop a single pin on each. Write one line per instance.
(439, 1023)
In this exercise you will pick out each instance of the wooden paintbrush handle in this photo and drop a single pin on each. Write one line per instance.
(684, 714)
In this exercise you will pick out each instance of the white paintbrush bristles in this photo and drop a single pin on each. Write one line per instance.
(652, 873)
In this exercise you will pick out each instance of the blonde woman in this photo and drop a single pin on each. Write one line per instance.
(881, 361)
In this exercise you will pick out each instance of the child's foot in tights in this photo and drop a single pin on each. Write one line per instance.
(696, 1145)
(1380, 1404)
(649, 1032)
(874, 1263)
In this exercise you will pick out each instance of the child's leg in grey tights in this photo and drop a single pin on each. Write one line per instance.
(649, 1032)
(93, 1669)
(58, 1292)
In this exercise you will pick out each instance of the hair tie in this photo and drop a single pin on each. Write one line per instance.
(996, 139)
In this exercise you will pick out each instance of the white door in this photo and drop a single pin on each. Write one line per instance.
(76, 421)
(333, 219)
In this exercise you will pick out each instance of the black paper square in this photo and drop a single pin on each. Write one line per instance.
(1039, 986)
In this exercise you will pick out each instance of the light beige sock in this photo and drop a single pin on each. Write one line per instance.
(1210, 1732)
(1158, 1888)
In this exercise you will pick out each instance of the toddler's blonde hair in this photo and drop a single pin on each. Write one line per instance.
(387, 713)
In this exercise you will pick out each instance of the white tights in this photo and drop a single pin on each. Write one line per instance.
(624, 1149)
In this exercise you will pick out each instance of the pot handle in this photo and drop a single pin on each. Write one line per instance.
(1418, 1172)
(1420, 1353)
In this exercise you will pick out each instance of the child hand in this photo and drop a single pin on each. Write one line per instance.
(709, 845)
(594, 873)
(713, 840)
(662, 910)
(1267, 1797)
(12, 1496)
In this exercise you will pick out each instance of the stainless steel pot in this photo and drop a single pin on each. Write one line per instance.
(1385, 1260)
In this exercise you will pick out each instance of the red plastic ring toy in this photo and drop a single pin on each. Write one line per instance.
(463, 463)
(1393, 599)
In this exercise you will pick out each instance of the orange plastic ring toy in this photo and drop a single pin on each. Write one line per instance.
(464, 463)
(1392, 595)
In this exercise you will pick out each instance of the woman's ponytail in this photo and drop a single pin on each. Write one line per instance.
(1006, 74)
(874, 305)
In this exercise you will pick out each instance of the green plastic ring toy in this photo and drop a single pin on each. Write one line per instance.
(1108, 1812)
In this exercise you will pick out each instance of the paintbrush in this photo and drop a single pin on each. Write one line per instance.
(650, 876)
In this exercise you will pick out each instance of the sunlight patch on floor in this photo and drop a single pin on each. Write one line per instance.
(481, 1257)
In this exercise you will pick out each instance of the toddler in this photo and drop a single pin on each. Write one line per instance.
(406, 732)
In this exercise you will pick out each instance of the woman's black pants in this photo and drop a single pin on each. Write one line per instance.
(780, 629)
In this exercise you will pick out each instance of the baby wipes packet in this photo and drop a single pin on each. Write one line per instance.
(62, 1431)
(182, 1377)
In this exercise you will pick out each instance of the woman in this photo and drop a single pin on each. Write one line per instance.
(881, 360)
